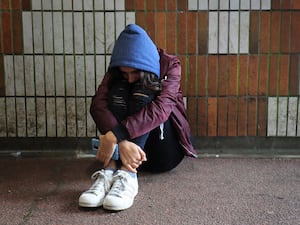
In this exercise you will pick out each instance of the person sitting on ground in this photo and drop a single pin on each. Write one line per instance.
(139, 111)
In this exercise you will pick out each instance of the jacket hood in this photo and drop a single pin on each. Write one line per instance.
(135, 49)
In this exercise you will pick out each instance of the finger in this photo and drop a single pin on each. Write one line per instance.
(130, 168)
(143, 155)
(106, 162)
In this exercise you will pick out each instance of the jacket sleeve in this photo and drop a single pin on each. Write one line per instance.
(159, 110)
(149, 117)
(102, 116)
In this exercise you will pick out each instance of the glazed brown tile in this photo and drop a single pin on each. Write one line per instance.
(182, 5)
(182, 59)
(202, 74)
(171, 32)
(17, 32)
(251, 117)
(286, 4)
(275, 32)
(242, 117)
(294, 75)
(262, 117)
(212, 117)
(161, 33)
(222, 116)
(212, 78)
(7, 30)
(276, 4)
(181, 35)
(139, 4)
(150, 24)
(130, 4)
(171, 5)
(192, 81)
(285, 32)
(140, 19)
(253, 75)
(16, 4)
(150, 5)
(284, 75)
(254, 32)
(202, 116)
(295, 33)
(265, 32)
(4, 4)
(2, 84)
(232, 75)
(232, 117)
(192, 32)
(273, 75)
(243, 74)
(161, 5)
(296, 4)
(223, 69)
(203, 32)
(192, 114)
(263, 75)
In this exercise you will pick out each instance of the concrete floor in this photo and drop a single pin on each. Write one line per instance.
(199, 191)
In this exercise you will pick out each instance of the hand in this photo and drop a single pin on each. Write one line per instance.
(106, 148)
(131, 155)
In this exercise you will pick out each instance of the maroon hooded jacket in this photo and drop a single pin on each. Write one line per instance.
(169, 103)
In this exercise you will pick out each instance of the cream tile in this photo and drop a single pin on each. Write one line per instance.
(68, 32)
(27, 32)
(19, 75)
(69, 76)
(67, 5)
(110, 34)
(61, 116)
(203, 4)
(109, 5)
(3, 129)
(213, 33)
(90, 75)
(9, 76)
(129, 17)
(37, 32)
(51, 117)
(78, 4)
(49, 76)
(272, 116)
(29, 75)
(41, 117)
(81, 117)
(99, 33)
(234, 33)
(282, 116)
(234, 4)
(11, 117)
(59, 76)
(192, 4)
(78, 33)
(36, 4)
(89, 33)
(48, 32)
(58, 32)
(71, 117)
(31, 117)
(46, 5)
(21, 118)
(223, 32)
(292, 116)
(80, 75)
(39, 69)
(120, 5)
(244, 32)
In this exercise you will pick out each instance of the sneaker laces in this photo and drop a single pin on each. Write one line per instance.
(119, 185)
(101, 181)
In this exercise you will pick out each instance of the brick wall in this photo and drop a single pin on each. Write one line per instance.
(240, 62)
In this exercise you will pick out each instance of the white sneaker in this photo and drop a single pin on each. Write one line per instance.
(122, 192)
(94, 196)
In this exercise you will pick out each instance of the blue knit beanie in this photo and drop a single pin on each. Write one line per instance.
(135, 49)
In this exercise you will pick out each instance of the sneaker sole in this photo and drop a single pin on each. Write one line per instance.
(87, 205)
(113, 208)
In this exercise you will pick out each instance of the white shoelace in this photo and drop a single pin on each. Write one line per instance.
(101, 179)
(119, 185)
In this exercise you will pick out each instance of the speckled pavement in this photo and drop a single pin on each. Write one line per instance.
(208, 191)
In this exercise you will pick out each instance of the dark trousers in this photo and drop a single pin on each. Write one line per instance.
(161, 145)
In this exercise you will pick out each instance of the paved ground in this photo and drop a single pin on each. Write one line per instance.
(209, 191)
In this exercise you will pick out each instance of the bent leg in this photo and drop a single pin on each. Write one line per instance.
(162, 155)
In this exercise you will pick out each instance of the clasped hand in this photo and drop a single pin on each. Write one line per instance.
(130, 153)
